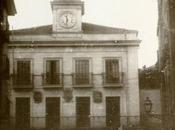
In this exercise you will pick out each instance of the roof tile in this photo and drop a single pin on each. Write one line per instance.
(86, 27)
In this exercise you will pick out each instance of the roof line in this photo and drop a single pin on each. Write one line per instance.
(87, 28)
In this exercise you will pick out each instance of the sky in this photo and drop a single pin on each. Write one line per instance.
(139, 15)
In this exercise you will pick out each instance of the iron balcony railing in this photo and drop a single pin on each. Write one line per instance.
(52, 79)
(82, 79)
(49, 80)
(22, 80)
(113, 79)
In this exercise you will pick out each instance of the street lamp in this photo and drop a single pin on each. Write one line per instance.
(148, 108)
(148, 105)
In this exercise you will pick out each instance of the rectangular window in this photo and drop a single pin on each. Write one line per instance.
(112, 74)
(82, 75)
(23, 76)
(52, 75)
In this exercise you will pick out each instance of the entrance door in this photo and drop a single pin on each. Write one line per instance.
(22, 113)
(113, 112)
(83, 111)
(52, 112)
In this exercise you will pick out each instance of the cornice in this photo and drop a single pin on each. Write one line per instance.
(68, 3)
(23, 44)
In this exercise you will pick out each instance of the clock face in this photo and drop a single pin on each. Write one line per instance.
(67, 20)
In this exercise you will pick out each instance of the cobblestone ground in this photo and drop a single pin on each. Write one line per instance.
(124, 128)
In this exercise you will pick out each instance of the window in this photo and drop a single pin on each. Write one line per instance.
(52, 75)
(112, 74)
(82, 75)
(23, 73)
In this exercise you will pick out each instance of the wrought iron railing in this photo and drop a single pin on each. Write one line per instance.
(49, 80)
(113, 79)
(82, 79)
(22, 80)
(52, 79)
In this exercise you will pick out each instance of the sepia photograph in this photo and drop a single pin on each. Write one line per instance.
(87, 65)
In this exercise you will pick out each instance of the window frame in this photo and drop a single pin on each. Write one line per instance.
(46, 85)
(31, 73)
(90, 84)
(120, 83)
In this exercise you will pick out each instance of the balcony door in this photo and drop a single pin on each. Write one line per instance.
(23, 76)
(112, 71)
(113, 112)
(83, 111)
(52, 72)
(52, 112)
(22, 113)
(82, 72)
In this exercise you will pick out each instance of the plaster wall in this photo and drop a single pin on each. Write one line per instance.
(154, 96)
(128, 92)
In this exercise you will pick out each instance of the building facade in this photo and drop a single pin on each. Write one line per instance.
(149, 86)
(7, 8)
(166, 59)
(74, 74)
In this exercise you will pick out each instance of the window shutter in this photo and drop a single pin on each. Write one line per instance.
(47, 66)
(23, 72)
(112, 71)
(82, 72)
(52, 71)
(57, 67)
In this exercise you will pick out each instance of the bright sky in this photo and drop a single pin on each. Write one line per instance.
(140, 15)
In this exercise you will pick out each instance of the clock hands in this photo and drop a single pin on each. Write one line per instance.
(67, 20)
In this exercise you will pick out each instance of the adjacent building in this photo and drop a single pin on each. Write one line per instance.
(166, 60)
(7, 8)
(74, 74)
(150, 87)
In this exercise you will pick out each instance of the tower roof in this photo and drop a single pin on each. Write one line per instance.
(87, 28)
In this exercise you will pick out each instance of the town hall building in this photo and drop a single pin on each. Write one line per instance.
(72, 74)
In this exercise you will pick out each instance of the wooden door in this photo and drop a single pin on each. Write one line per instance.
(113, 112)
(83, 111)
(22, 113)
(52, 112)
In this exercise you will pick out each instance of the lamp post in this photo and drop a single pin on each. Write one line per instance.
(148, 107)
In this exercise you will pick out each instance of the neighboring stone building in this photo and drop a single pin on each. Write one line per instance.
(74, 74)
(166, 60)
(7, 8)
(149, 84)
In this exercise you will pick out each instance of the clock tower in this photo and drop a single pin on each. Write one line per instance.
(67, 16)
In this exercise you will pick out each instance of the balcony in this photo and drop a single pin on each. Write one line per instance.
(113, 79)
(52, 80)
(22, 81)
(82, 80)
